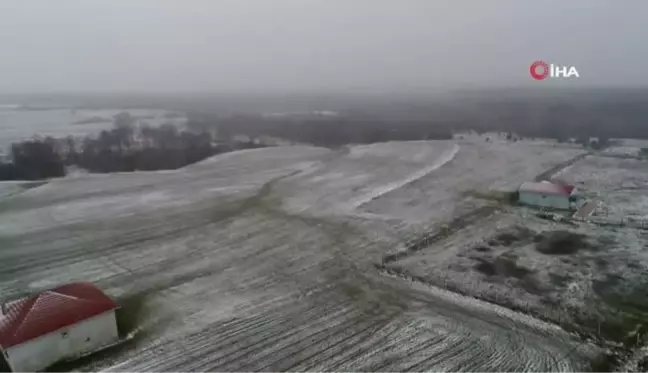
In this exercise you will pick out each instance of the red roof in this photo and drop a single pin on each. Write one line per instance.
(53, 309)
(547, 188)
(569, 188)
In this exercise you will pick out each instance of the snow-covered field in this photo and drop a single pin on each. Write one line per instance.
(621, 184)
(476, 260)
(264, 259)
(628, 146)
(479, 167)
(9, 188)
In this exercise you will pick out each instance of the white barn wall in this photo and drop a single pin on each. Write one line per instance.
(81, 338)
(544, 200)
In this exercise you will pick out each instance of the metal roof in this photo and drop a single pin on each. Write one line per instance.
(50, 310)
(546, 188)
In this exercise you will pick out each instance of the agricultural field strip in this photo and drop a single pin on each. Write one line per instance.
(295, 269)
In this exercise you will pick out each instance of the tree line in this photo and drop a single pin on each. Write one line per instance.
(327, 131)
(557, 119)
(127, 147)
(124, 148)
(365, 129)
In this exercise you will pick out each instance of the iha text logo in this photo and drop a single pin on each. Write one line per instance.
(541, 70)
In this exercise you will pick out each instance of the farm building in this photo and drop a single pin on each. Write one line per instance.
(57, 324)
(546, 195)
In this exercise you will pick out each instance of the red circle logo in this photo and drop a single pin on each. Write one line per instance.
(539, 65)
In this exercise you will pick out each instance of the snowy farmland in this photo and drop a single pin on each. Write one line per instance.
(478, 168)
(265, 259)
(569, 273)
(621, 184)
(507, 260)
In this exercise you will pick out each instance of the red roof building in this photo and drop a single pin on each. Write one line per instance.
(546, 195)
(46, 312)
(547, 188)
(54, 313)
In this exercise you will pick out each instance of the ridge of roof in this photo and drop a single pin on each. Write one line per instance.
(45, 312)
(546, 188)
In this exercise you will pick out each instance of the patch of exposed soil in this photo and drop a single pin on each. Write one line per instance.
(561, 243)
(504, 265)
(483, 249)
(511, 235)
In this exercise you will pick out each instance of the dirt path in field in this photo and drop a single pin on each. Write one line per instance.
(446, 231)
(557, 168)
(379, 192)
(464, 220)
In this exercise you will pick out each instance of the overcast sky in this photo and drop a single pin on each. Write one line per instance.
(288, 45)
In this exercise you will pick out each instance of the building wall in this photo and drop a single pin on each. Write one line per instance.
(66, 343)
(544, 200)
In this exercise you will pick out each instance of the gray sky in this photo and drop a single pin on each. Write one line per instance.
(288, 45)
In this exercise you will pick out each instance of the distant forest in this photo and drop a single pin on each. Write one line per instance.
(325, 131)
(559, 120)
(124, 148)
(575, 114)
(128, 147)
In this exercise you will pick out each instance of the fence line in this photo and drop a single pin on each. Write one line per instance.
(616, 222)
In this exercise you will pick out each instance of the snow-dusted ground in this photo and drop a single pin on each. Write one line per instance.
(446, 157)
(621, 184)
(478, 167)
(255, 260)
(627, 147)
(558, 287)
(349, 178)
(8, 188)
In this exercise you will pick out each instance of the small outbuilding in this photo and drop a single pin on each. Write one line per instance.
(546, 195)
(56, 325)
